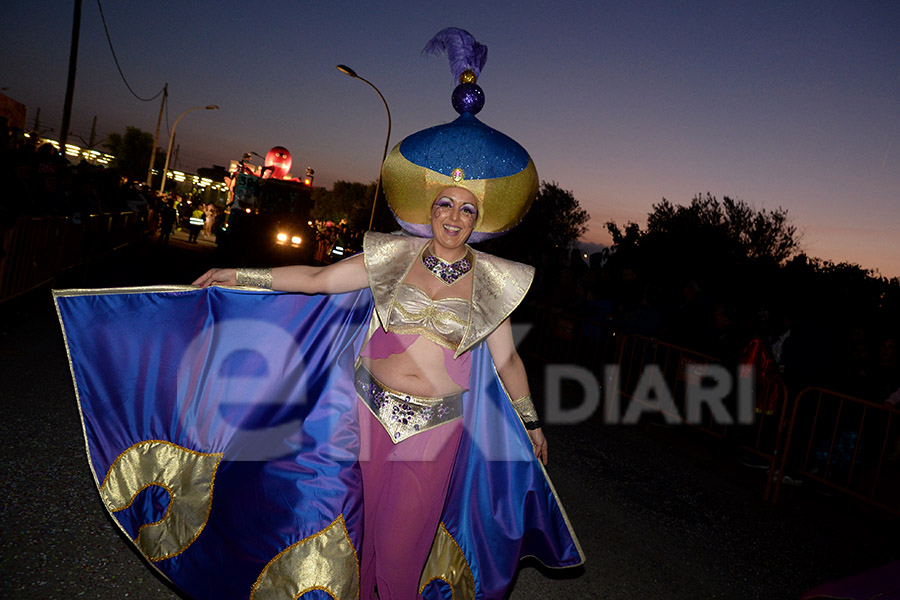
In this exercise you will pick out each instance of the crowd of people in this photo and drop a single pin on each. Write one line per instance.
(336, 240)
(173, 211)
(41, 182)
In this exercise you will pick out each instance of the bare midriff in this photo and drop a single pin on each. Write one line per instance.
(421, 368)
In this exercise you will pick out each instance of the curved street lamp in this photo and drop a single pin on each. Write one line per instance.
(162, 186)
(347, 70)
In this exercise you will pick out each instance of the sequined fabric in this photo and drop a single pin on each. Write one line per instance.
(497, 170)
(525, 407)
(499, 285)
(300, 477)
(404, 415)
(445, 271)
(261, 278)
(442, 321)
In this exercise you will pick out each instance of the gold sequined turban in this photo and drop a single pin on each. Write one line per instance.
(465, 153)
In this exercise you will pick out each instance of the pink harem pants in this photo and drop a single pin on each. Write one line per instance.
(404, 488)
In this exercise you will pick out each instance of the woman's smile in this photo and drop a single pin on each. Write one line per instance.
(453, 216)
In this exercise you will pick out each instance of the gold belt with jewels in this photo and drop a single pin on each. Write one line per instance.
(404, 415)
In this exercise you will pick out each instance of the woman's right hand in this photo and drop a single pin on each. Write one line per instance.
(217, 277)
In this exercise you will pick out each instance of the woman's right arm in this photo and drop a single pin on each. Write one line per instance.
(344, 276)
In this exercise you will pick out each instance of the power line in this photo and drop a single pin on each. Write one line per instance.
(111, 49)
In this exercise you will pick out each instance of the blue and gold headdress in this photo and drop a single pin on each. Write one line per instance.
(465, 153)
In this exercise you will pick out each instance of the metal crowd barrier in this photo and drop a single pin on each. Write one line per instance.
(561, 338)
(38, 249)
(765, 437)
(674, 369)
(846, 444)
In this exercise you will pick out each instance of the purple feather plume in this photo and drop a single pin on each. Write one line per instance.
(463, 52)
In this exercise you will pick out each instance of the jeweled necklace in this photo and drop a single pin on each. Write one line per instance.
(446, 272)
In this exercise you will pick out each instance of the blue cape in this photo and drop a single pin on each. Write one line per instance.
(220, 427)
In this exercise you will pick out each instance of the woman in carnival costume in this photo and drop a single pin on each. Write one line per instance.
(433, 481)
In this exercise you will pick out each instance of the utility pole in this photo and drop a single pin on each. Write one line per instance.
(70, 84)
(156, 136)
(93, 133)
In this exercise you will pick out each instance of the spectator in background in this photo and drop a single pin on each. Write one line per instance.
(210, 210)
(195, 223)
(166, 222)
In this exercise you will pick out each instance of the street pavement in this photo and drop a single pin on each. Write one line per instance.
(660, 512)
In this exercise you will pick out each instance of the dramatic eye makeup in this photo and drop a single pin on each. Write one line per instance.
(443, 203)
(469, 209)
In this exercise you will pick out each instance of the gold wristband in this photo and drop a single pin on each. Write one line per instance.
(261, 278)
(525, 407)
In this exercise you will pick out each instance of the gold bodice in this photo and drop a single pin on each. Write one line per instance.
(442, 321)
(498, 285)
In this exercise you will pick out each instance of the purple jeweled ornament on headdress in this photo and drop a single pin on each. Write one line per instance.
(464, 153)
(467, 58)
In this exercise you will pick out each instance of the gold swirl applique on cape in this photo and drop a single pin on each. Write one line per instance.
(185, 474)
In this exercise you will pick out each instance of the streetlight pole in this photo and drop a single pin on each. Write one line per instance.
(162, 186)
(348, 71)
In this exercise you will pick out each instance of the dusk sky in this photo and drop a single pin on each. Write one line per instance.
(780, 104)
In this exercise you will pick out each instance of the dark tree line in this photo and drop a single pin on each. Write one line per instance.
(352, 201)
(132, 153)
(731, 270)
(548, 232)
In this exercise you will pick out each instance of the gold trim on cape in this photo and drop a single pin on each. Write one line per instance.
(556, 497)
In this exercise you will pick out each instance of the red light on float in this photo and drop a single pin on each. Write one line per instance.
(279, 160)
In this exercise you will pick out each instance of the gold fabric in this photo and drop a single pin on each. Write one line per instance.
(447, 563)
(498, 285)
(502, 201)
(324, 561)
(144, 289)
(442, 321)
(525, 407)
(187, 475)
(261, 278)
(404, 415)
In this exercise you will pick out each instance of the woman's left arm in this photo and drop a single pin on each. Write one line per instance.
(515, 379)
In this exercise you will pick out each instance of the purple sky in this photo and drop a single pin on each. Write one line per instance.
(790, 104)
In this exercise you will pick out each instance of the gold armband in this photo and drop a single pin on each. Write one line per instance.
(525, 407)
(261, 278)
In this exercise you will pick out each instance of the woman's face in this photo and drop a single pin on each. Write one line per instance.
(453, 216)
